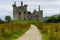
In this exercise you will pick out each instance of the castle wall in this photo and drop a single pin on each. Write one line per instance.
(21, 13)
(41, 15)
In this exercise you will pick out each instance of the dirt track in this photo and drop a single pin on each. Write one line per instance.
(31, 34)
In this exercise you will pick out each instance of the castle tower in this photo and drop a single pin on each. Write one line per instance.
(25, 11)
(20, 12)
(14, 11)
(40, 13)
(14, 5)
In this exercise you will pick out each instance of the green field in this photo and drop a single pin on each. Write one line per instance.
(15, 29)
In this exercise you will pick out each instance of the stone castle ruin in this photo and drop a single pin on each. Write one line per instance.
(21, 13)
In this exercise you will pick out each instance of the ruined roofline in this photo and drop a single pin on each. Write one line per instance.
(20, 5)
(25, 5)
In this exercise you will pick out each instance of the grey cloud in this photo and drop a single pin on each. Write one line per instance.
(49, 7)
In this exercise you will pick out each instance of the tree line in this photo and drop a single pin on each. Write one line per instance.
(53, 19)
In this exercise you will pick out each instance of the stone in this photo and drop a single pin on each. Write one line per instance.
(21, 13)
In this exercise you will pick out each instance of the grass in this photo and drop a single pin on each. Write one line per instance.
(50, 31)
(15, 29)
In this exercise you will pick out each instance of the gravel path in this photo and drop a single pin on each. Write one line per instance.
(31, 34)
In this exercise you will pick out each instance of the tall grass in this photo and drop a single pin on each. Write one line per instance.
(12, 30)
(50, 31)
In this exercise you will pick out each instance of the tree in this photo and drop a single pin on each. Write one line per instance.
(7, 18)
(59, 18)
(1, 21)
(52, 19)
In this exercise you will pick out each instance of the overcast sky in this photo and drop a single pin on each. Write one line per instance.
(49, 7)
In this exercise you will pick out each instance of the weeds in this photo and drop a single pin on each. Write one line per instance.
(11, 31)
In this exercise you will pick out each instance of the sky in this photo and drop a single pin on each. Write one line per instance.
(49, 7)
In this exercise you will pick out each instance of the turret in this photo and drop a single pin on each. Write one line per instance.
(34, 10)
(14, 5)
(39, 7)
(14, 10)
(25, 7)
(21, 3)
(26, 13)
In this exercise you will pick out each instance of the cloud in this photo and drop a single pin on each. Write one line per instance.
(49, 7)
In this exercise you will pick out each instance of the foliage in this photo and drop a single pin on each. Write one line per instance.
(1, 21)
(51, 31)
(7, 18)
(52, 19)
(59, 18)
(12, 30)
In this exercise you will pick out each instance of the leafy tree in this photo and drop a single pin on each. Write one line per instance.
(52, 19)
(59, 18)
(1, 21)
(7, 18)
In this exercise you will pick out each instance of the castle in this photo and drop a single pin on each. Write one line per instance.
(21, 13)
